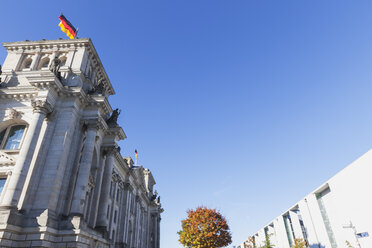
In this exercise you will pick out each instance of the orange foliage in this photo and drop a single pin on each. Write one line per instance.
(204, 228)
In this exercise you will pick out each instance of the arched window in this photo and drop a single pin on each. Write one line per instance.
(27, 64)
(11, 137)
(44, 63)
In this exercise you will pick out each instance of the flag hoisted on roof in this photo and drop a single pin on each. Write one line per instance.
(67, 27)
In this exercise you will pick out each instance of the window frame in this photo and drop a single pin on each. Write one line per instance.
(6, 136)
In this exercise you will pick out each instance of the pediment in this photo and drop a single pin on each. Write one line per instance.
(6, 159)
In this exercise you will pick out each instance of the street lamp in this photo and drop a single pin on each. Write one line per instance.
(350, 225)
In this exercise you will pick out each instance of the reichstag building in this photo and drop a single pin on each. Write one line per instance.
(63, 181)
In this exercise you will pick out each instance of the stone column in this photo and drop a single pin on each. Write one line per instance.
(78, 201)
(97, 188)
(105, 190)
(20, 170)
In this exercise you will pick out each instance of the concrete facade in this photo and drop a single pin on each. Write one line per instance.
(63, 180)
(336, 212)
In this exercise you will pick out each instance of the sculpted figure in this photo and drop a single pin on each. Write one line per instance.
(99, 89)
(54, 67)
(113, 120)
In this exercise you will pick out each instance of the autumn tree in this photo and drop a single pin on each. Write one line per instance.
(299, 243)
(267, 243)
(204, 228)
(250, 243)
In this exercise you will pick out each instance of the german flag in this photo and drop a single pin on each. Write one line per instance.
(67, 27)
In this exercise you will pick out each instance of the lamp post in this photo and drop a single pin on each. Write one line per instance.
(350, 225)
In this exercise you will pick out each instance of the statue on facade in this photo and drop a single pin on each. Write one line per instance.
(99, 89)
(54, 67)
(155, 195)
(113, 120)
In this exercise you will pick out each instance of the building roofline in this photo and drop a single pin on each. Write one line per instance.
(61, 43)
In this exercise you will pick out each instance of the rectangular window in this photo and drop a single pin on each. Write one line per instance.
(2, 183)
(108, 211)
(116, 212)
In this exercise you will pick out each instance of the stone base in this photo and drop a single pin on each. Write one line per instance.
(13, 236)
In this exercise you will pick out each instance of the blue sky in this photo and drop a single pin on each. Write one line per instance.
(244, 106)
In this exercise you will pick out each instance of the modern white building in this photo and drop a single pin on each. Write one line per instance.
(63, 180)
(340, 210)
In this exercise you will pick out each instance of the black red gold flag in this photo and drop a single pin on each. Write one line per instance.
(67, 27)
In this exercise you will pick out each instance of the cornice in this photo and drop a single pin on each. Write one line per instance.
(139, 179)
(18, 94)
(98, 101)
(45, 44)
(122, 163)
(116, 131)
(47, 81)
(95, 122)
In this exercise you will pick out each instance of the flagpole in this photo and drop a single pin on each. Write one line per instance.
(136, 155)
(77, 30)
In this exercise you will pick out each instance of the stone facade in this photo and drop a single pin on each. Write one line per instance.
(64, 182)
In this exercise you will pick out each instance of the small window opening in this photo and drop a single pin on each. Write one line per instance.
(27, 64)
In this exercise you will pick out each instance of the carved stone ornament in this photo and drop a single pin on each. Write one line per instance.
(6, 159)
(41, 106)
(122, 185)
(14, 114)
(115, 177)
